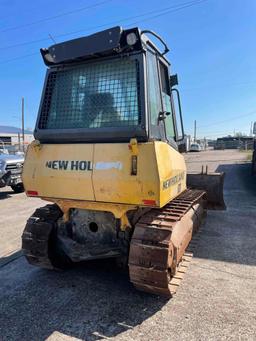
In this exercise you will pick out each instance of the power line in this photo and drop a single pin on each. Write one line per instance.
(29, 11)
(212, 132)
(162, 13)
(229, 119)
(215, 136)
(54, 17)
(212, 135)
(230, 83)
(157, 13)
(85, 29)
(224, 134)
(21, 57)
(171, 11)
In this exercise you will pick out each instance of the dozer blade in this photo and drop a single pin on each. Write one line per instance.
(212, 184)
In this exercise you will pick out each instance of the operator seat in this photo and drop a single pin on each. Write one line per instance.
(102, 111)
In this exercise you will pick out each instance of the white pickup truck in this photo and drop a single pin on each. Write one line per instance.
(10, 171)
(195, 147)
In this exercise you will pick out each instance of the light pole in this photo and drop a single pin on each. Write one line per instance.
(22, 124)
(195, 131)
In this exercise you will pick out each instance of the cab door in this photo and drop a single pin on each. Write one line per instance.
(156, 124)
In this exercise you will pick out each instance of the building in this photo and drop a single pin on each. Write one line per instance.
(12, 136)
(234, 142)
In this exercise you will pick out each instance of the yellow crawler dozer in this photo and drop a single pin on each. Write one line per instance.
(106, 154)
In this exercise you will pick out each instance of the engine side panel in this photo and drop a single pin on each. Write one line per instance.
(59, 171)
(172, 172)
(102, 172)
(112, 178)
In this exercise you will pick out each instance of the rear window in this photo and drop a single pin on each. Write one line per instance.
(103, 94)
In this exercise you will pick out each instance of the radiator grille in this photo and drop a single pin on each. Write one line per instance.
(14, 167)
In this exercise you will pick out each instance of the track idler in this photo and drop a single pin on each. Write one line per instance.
(212, 184)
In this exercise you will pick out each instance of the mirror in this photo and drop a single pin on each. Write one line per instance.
(173, 80)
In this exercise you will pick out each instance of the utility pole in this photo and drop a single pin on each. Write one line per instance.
(22, 124)
(19, 141)
(195, 131)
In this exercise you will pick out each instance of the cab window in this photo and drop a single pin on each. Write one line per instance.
(166, 98)
(153, 88)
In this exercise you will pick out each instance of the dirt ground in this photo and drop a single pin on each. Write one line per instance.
(216, 300)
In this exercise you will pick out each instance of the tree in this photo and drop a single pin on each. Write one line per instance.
(239, 134)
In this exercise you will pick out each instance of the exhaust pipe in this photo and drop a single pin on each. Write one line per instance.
(212, 184)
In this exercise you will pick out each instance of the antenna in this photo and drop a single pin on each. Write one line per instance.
(51, 37)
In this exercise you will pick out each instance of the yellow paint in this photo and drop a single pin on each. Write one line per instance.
(170, 163)
(109, 185)
(118, 185)
(58, 183)
(119, 211)
(134, 147)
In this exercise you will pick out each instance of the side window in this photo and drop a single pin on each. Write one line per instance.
(164, 78)
(165, 91)
(153, 89)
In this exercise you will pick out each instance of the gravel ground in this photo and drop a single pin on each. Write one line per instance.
(14, 211)
(216, 300)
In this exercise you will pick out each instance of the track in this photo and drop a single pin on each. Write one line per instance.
(157, 259)
(38, 237)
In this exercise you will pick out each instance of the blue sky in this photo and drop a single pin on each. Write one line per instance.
(212, 45)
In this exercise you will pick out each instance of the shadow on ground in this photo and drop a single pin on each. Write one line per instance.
(238, 177)
(229, 236)
(6, 259)
(85, 302)
(6, 194)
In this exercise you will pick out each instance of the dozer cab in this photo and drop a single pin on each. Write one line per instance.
(106, 155)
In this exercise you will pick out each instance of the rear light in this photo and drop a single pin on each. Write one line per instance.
(134, 165)
(32, 193)
(149, 202)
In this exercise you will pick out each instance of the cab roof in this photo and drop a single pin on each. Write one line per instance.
(112, 41)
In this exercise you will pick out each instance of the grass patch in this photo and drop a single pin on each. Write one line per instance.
(248, 154)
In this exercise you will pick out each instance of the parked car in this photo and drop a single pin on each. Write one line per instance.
(195, 147)
(10, 171)
(3, 150)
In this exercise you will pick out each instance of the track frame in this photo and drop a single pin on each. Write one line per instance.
(158, 257)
